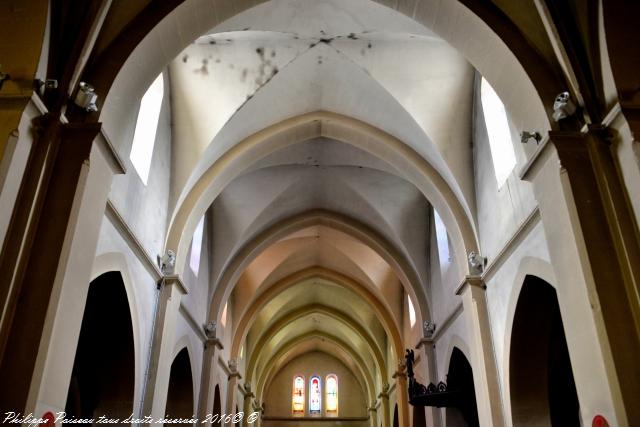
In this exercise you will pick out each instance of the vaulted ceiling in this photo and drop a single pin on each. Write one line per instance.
(294, 227)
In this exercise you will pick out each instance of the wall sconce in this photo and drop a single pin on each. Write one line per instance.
(41, 86)
(86, 97)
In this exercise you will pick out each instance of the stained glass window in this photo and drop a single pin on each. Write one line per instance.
(332, 394)
(297, 400)
(314, 395)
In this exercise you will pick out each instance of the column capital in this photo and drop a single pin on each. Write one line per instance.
(232, 365)
(210, 332)
(174, 280)
(399, 374)
(256, 405)
(245, 389)
(87, 129)
(210, 342)
(470, 282)
(247, 394)
(424, 342)
(401, 371)
(384, 394)
(570, 143)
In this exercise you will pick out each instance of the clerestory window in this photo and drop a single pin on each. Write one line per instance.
(144, 136)
(500, 143)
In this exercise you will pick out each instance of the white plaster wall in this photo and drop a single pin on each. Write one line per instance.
(501, 210)
(503, 288)
(197, 300)
(444, 280)
(144, 208)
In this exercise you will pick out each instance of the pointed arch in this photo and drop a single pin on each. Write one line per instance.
(381, 309)
(364, 370)
(410, 165)
(351, 323)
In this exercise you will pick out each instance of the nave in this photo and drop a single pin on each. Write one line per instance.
(235, 212)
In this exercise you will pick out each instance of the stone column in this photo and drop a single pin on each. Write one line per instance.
(232, 387)
(485, 375)
(402, 393)
(36, 244)
(257, 407)
(373, 414)
(430, 368)
(58, 344)
(157, 381)
(593, 245)
(211, 348)
(384, 399)
(247, 404)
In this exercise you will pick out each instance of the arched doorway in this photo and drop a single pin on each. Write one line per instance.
(543, 390)
(460, 378)
(419, 418)
(180, 394)
(217, 406)
(102, 380)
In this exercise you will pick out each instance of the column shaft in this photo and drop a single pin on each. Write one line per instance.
(373, 416)
(157, 382)
(431, 372)
(205, 402)
(232, 390)
(36, 240)
(485, 375)
(246, 408)
(386, 412)
(593, 244)
(58, 344)
(402, 390)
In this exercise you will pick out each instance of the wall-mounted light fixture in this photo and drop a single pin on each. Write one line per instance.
(41, 86)
(86, 97)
